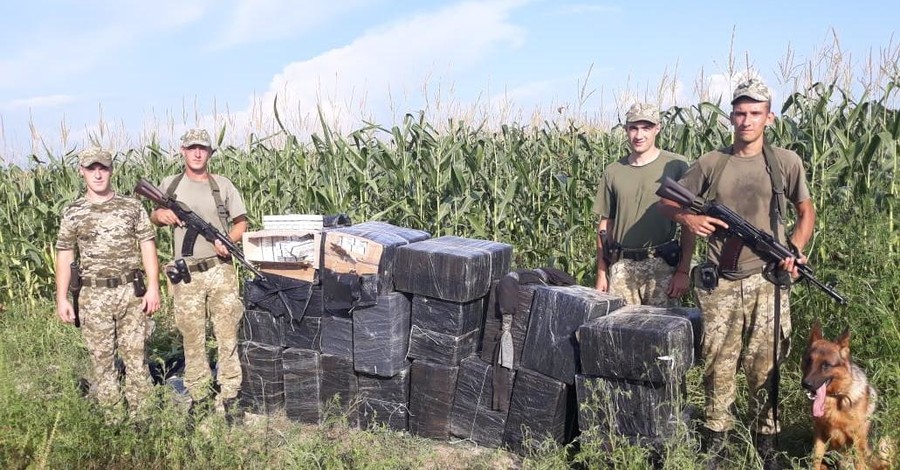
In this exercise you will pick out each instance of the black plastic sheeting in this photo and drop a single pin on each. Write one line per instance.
(471, 417)
(444, 316)
(261, 327)
(337, 337)
(339, 387)
(544, 406)
(556, 313)
(431, 390)
(390, 237)
(262, 384)
(692, 314)
(628, 408)
(384, 401)
(637, 346)
(440, 348)
(381, 336)
(451, 268)
(493, 325)
(345, 292)
(302, 385)
(278, 295)
(307, 334)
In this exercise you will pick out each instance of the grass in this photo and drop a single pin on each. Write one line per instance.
(528, 185)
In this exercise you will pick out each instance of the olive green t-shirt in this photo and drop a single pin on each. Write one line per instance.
(627, 195)
(746, 188)
(197, 195)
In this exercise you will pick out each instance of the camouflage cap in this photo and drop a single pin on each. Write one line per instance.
(752, 88)
(642, 112)
(196, 137)
(91, 155)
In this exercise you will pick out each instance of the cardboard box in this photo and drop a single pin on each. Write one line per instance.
(289, 253)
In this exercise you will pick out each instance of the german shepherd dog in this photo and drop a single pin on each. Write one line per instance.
(843, 401)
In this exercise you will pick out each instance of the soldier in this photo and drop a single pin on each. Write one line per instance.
(738, 308)
(106, 229)
(213, 288)
(636, 246)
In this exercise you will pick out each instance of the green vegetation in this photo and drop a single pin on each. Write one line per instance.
(529, 186)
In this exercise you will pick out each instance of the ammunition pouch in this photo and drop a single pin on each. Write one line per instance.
(706, 276)
(181, 271)
(137, 281)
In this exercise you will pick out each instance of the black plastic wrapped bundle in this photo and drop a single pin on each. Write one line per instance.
(637, 346)
(451, 268)
(431, 390)
(444, 316)
(692, 314)
(519, 328)
(277, 295)
(339, 380)
(381, 336)
(471, 416)
(261, 327)
(307, 334)
(385, 400)
(337, 337)
(262, 384)
(628, 408)
(359, 263)
(440, 348)
(302, 384)
(345, 292)
(542, 405)
(556, 313)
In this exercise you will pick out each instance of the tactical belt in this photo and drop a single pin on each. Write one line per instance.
(108, 282)
(640, 254)
(206, 264)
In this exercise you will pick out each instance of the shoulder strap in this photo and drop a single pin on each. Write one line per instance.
(778, 203)
(217, 197)
(221, 210)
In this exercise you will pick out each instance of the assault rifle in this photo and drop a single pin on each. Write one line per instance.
(761, 242)
(195, 224)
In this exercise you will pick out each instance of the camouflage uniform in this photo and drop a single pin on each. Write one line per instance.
(738, 315)
(107, 235)
(733, 311)
(642, 282)
(212, 294)
(627, 196)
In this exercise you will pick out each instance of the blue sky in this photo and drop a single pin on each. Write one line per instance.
(121, 71)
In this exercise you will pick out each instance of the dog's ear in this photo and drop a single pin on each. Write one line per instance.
(816, 333)
(844, 342)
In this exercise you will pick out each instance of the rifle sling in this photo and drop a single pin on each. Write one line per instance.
(187, 247)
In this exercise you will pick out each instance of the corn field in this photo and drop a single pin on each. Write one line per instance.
(530, 186)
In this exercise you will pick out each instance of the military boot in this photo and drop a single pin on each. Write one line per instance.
(234, 414)
(714, 444)
(765, 447)
(198, 409)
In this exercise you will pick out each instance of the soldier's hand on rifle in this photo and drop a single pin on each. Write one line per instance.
(221, 250)
(790, 264)
(65, 311)
(702, 225)
(167, 217)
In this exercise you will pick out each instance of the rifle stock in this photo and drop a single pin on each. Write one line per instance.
(762, 243)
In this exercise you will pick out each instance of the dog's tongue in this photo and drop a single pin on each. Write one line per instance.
(818, 408)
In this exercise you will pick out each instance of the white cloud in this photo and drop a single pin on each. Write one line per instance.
(378, 71)
(47, 101)
(262, 20)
